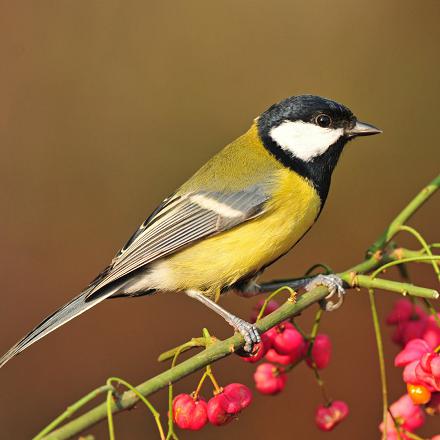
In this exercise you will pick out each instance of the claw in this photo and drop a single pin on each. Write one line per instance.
(335, 286)
(248, 331)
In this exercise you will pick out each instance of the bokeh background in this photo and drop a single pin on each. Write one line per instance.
(107, 106)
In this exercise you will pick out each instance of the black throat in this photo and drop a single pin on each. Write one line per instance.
(318, 171)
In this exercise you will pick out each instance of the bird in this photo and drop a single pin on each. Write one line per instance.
(239, 213)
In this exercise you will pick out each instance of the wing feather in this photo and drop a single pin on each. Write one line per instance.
(180, 221)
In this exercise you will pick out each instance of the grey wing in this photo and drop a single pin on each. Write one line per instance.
(180, 221)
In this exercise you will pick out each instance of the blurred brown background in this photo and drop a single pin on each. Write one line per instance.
(105, 107)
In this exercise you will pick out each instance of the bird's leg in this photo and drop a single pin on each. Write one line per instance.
(247, 330)
(333, 283)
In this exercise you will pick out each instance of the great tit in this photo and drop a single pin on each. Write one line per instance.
(244, 209)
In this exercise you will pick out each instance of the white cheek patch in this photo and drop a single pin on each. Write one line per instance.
(304, 139)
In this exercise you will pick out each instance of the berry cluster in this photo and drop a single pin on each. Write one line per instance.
(190, 411)
(421, 370)
(412, 322)
(419, 335)
(283, 346)
(327, 417)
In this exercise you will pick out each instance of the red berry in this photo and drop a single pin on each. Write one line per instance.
(410, 321)
(288, 340)
(321, 352)
(218, 413)
(413, 329)
(410, 417)
(428, 371)
(430, 362)
(225, 405)
(282, 359)
(327, 417)
(280, 328)
(189, 413)
(404, 310)
(240, 393)
(413, 351)
(432, 332)
(270, 379)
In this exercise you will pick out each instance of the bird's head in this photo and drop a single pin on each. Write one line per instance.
(308, 133)
(306, 127)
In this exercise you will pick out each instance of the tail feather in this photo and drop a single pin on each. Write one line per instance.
(75, 307)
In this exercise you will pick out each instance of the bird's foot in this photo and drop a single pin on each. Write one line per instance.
(335, 286)
(248, 331)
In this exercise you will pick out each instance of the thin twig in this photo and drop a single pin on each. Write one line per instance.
(152, 409)
(312, 339)
(383, 375)
(416, 234)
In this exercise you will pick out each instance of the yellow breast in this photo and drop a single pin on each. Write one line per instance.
(221, 260)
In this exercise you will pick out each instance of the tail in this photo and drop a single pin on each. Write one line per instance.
(75, 307)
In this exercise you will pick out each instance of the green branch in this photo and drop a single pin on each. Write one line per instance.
(222, 349)
(72, 409)
(213, 353)
(392, 286)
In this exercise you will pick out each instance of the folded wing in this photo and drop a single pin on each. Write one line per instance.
(180, 221)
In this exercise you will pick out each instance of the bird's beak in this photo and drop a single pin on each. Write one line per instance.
(362, 129)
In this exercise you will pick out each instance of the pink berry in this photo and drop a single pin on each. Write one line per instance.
(189, 413)
(413, 351)
(409, 373)
(410, 320)
(282, 359)
(221, 410)
(432, 332)
(327, 417)
(288, 340)
(270, 379)
(404, 310)
(410, 416)
(229, 402)
(428, 371)
(426, 361)
(321, 352)
(422, 365)
(413, 329)
(240, 393)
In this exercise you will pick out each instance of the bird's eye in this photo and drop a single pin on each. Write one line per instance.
(323, 120)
